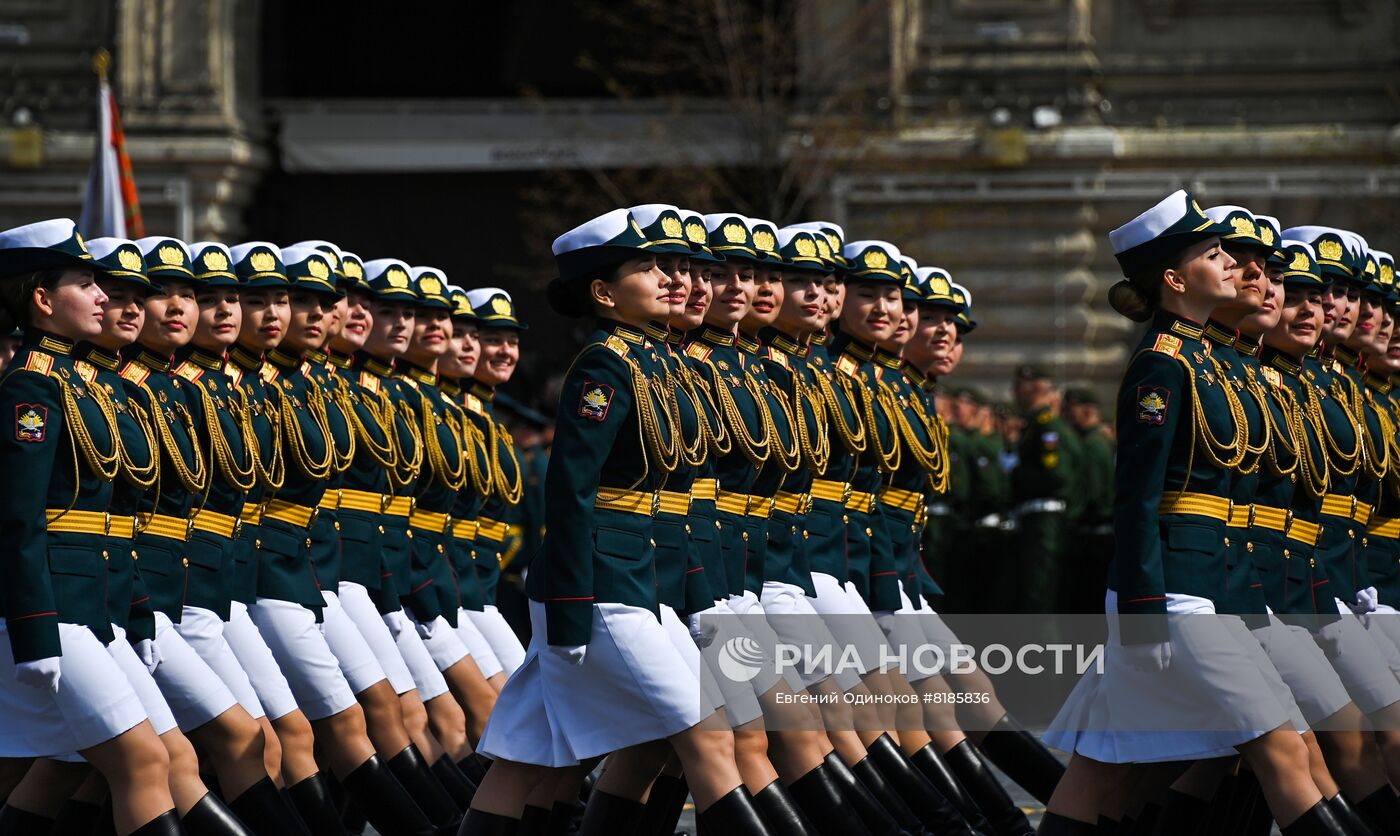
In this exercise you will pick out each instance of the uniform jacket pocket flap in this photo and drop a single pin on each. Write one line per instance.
(617, 543)
(280, 542)
(75, 561)
(1196, 538)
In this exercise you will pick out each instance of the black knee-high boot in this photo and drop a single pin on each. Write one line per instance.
(477, 823)
(17, 822)
(211, 817)
(936, 812)
(424, 788)
(76, 818)
(1381, 809)
(1182, 814)
(664, 806)
(166, 824)
(455, 781)
(939, 772)
(733, 815)
(880, 821)
(313, 802)
(780, 812)
(1055, 825)
(562, 816)
(475, 766)
(267, 812)
(1023, 758)
(1350, 818)
(533, 821)
(973, 771)
(819, 795)
(386, 803)
(610, 815)
(1318, 821)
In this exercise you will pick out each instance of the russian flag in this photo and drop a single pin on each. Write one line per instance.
(110, 207)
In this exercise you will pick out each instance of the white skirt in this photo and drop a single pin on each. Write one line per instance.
(299, 646)
(849, 619)
(1219, 691)
(193, 691)
(791, 615)
(739, 694)
(477, 645)
(357, 606)
(1316, 688)
(202, 631)
(679, 634)
(632, 687)
(252, 653)
(504, 643)
(95, 701)
(1356, 656)
(1385, 621)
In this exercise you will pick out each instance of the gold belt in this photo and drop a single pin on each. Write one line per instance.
(705, 489)
(429, 520)
(1308, 533)
(464, 529)
(860, 501)
(1238, 516)
(628, 502)
(732, 503)
(399, 506)
(1388, 527)
(89, 522)
(252, 513)
(831, 491)
(792, 503)
(760, 507)
(674, 502)
(495, 529)
(165, 526)
(902, 499)
(1198, 504)
(370, 503)
(330, 501)
(1336, 505)
(220, 524)
(297, 515)
(1274, 519)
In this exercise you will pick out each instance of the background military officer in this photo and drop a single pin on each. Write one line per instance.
(1091, 528)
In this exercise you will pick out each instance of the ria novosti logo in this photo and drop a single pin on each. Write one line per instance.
(741, 658)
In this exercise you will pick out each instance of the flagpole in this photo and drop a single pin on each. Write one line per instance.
(101, 60)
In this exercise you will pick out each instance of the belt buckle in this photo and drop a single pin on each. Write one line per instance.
(237, 528)
(846, 493)
(315, 512)
(870, 504)
(385, 500)
(1249, 521)
(106, 523)
(189, 528)
(1353, 506)
(655, 502)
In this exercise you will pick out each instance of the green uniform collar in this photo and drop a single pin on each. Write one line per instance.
(1348, 358)
(1247, 345)
(315, 357)
(415, 372)
(1273, 358)
(245, 359)
(283, 360)
(1220, 335)
(888, 360)
(481, 390)
(786, 344)
(340, 361)
(747, 343)
(1179, 325)
(150, 359)
(450, 386)
(48, 342)
(714, 336)
(1377, 383)
(99, 357)
(207, 360)
(656, 331)
(375, 366)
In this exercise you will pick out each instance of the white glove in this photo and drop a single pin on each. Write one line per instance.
(425, 628)
(573, 654)
(1153, 657)
(148, 653)
(703, 626)
(1366, 600)
(41, 673)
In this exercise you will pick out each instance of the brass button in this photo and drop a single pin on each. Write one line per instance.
(845, 518)
(1287, 554)
(869, 533)
(1364, 541)
(185, 562)
(746, 535)
(1351, 534)
(1249, 547)
(806, 534)
(473, 554)
(794, 529)
(381, 529)
(440, 548)
(409, 533)
(687, 528)
(104, 554)
(257, 544)
(308, 542)
(133, 554)
(1227, 542)
(717, 524)
(653, 542)
(337, 525)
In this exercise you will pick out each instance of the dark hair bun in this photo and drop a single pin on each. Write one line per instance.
(565, 299)
(1128, 300)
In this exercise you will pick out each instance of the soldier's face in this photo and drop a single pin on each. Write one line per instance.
(639, 293)
(1269, 307)
(500, 352)
(337, 316)
(833, 293)
(123, 314)
(803, 300)
(391, 329)
(871, 310)
(308, 328)
(461, 359)
(946, 364)
(679, 277)
(1201, 280)
(357, 321)
(767, 299)
(220, 318)
(1392, 351)
(266, 313)
(1247, 275)
(170, 317)
(732, 292)
(1299, 323)
(699, 299)
(71, 307)
(432, 329)
(934, 338)
(1340, 317)
(1368, 320)
(904, 327)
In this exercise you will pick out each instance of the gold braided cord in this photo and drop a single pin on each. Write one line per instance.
(1254, 453)
(853, 435)
(272, 474)
(1377, 462)
(1314, 472)
(926, 457)
(693, 452)
(889, 458)
(814, 436)
(451, 475)
(478, 448)
(756, 450)
(241, 475)
(1283, 455)
(716, 433)
(407, 463)
(193, 476)
(1223, 455)
(663, 456)
(510, 491)
(374, 411)
(104, 466)
(344, 401)
(294, 438)
(141, 475)
(787, 459)
(1342, 462)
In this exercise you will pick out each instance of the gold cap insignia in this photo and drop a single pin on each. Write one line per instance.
(353, 269)
(430, 285)
(695, 232)
(1387, 275)
(1370, 266)
(671, 226)
(170, 255)
(1300, 262)
(215, 261)
(959, 297)
(1243, 226)
(318, 268)
(1330, 250)
(262, 262)
(834, 242)
(805, 247)
(764, 240)
(876, 260)
(939, 286)
(1266, 234)
(460, 305)
(823, 248)
(734, 233)
(129, 259)
(500, 305)
(330, 256)
(396, 278)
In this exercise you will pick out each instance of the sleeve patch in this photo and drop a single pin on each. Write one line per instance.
(31, 422)
(595, 401)
(1152, 404)
(1167, 344)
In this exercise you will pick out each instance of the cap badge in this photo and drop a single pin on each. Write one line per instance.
(1243, 226)
(500, 305)
(806, 247)
(1330, 250)
(263, 262)
(1300, 262)
(170, 255)
(671, 226)
(876, 260)
(129, 259)
(734, 233)
(396, 278)
(764, 240)
(430, 285)
(959, 297)
(215, 261)
(353, 269)
(1387, 274)
(318, 268)
(823, 248)
(939, 286)
(1266, 234)
(695, 232)
(1370, 266)
(833, 241)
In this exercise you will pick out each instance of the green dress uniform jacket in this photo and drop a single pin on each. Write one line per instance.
(165, 511)
(128, 604)
(614, 445)
(937, 486)
(1381, 545)
(326, 549)
(61, 441)
(222, 429)
(466, 510)
(782, 448)
(1178, 440)
(396, 576)
(446, 468)
(285, 572)
(707, 528)
(827, 518)
(786, 476)
(507, 487)
(244, 370)
(371, 416)
(1337, 553)
(904, 499)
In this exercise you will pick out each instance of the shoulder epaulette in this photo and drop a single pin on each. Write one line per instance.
(268, 372)
(1169, 345)
(616, 344)
(473, 403)
(370, 382)
(85, 370)
(189, 371)
(135, 373)
(847, 364)
(39, 362)
(777, 357)
(698, 351)
(1271, 374)
(235, 373)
